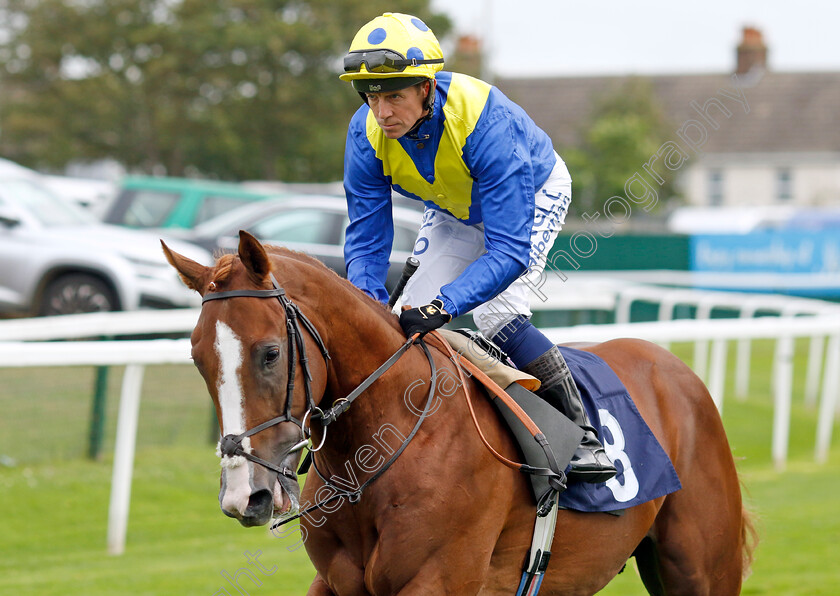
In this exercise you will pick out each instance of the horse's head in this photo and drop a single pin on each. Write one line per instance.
(241, 346)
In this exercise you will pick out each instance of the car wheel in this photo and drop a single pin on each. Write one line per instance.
(77, 293)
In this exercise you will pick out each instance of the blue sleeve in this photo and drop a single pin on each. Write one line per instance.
(498, 153)
(370, 233)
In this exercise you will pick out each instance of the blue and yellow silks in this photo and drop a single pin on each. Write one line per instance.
(480, 158)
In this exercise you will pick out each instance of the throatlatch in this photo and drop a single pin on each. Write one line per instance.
(231, 445)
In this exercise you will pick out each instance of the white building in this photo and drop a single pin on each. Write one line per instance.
(748, 138)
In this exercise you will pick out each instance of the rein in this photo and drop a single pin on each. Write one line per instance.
(231, 445)
(353, 496)
(556, 476)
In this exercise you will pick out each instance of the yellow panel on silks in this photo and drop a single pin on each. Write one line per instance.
(452, 186)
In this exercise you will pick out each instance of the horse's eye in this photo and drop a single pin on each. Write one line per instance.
(272, 355)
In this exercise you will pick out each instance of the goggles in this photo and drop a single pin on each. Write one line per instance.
(382, 61)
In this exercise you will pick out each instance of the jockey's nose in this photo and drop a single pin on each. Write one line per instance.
(383, 109)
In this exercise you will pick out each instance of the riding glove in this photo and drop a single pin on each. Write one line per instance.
(424, 318)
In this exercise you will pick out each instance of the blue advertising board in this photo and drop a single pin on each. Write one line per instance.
(791, 262)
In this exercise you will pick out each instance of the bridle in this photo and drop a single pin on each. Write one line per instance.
(231, 445)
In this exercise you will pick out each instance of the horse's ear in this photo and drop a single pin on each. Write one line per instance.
(192, 274)
(253, 256)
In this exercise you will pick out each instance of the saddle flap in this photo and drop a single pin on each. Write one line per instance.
(563, 435)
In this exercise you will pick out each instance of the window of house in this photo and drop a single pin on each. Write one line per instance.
(784, 185)
(715, 187)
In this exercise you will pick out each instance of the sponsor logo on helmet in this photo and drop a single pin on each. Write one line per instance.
(375, 88)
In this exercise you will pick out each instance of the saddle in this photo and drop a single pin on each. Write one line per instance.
(563, 435)
(645, 472)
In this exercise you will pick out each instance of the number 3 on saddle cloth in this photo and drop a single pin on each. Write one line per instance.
(644, 469)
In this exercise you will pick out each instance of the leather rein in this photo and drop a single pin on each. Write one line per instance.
(231, 445)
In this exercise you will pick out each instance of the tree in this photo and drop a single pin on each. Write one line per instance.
(625, 129)
(236, 89)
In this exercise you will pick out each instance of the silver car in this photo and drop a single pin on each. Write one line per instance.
(314, 224)
(57, 259)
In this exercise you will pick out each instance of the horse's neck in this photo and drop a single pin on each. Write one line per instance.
(352, 326)
(359, 335)
(359, 342)
(356, 331)
(360, 338)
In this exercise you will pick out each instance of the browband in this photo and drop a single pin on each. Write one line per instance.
(244, 294)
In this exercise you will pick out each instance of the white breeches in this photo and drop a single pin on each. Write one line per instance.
(446, 246)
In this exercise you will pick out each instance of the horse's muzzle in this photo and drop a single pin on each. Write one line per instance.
(255, 497)
(260, 509)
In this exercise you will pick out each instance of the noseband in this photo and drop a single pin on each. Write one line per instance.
(231, 445)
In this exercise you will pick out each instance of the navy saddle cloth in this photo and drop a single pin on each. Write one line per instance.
(644, 469)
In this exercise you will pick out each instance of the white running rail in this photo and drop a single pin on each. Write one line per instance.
(23, 343)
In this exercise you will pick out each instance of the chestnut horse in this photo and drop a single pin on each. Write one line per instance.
(445, 517)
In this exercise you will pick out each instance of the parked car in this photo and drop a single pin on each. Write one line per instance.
(56, 258)
(307, 223)
(86, 192)
(9, 168)
(148, 202)
(89, 193)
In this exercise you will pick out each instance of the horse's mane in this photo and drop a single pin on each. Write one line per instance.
(223, 267)
(225, 264)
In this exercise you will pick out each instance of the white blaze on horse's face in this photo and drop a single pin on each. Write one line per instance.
(237, 472)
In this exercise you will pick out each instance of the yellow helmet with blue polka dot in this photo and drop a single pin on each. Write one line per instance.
(391, 52)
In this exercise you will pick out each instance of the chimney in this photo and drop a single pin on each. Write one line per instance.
(752, 53)
(468, 57)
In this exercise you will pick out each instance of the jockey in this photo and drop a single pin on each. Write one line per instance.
(495, 195)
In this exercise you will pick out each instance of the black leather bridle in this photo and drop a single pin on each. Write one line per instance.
(231, 445)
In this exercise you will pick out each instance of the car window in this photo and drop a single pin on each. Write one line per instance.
(404, 238)
(147, 208)
(308, 226)
(46, 207)
(214, 205)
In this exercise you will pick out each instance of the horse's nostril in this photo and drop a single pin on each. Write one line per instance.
(260, 508)
(260, 500)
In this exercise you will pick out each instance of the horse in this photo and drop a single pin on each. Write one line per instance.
(445, 517)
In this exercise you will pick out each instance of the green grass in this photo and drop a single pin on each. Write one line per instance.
(53, 406)
(55, 519)
(54, 503)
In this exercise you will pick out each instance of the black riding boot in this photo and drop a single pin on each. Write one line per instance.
(590, 462)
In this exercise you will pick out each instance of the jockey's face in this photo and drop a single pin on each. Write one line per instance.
(397, 111)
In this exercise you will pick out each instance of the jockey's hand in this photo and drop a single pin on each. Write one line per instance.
(424, 318)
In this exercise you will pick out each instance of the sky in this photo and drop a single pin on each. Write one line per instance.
(558, 37)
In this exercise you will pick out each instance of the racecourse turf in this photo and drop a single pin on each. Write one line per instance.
(54, 501)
